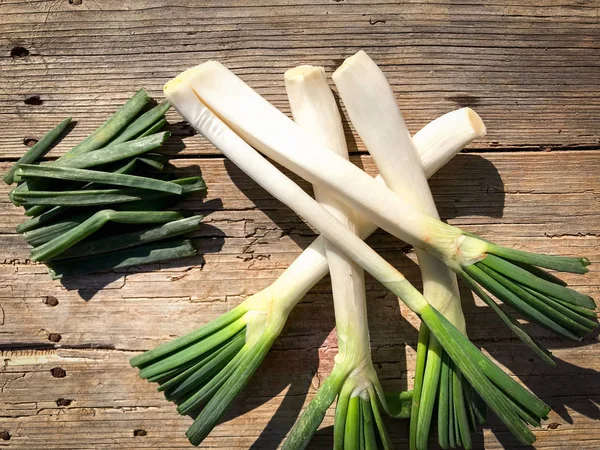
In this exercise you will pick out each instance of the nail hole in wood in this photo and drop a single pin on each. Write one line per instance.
(58, 372)
(30, 142)
(54, 337)
(5, 436)
(50, 300)
(33, 100)
(19, 52)
(63, 402)
(140, 432)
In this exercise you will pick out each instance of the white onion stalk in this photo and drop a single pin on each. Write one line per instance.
(372, 108)
(260, 318)
(353, 379)
(513, 276)
(511, 402)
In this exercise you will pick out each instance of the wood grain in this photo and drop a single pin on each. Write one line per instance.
(530, 69)
(540, 201)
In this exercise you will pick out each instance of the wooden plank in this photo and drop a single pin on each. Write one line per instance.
(530, 70)
(104, 402)
(534, 88)
(540, 201)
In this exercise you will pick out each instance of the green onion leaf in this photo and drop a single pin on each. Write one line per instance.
(143, 254)
(68, 173)
(109, 129)
(526, 278)
(121, 241)
(43, 146)
(67, 240)
(510, 322)
(142, 123)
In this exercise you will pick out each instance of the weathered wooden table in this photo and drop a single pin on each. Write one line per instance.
(530, 70)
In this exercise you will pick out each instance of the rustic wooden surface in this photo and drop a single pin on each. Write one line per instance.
(529, 68)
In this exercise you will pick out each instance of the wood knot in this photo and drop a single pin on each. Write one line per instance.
(140, 432)
(30, 142)
(19, 52)
(54, 337)
(33, 100)
(464, 100)
(63, 402)
(75, 2)
(50, 300)
(58, 372)
(5, 436)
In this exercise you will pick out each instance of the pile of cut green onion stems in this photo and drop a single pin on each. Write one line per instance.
(204, 371)
(112, 176)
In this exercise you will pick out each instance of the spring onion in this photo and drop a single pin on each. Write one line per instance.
(512, 403)
(372, 108)
(353, 380)
(271, 132)
(265, 312)
(40, 148)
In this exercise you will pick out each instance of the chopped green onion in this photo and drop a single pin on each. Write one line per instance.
(121, 241)
(67, 240)
(43, 218)
(67, 173)
(40, 148)
(42, 235)
(152, 163)
(143, 254)
(132, 199)
(86, 198)
(49, 215)
(99, 157)
(142, 123)
(116, 152)
(109, 129)
(189, 185)
(155, 128)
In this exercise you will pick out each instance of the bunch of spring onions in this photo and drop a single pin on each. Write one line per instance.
(227, 351)
(186, 369)
(101, 205)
